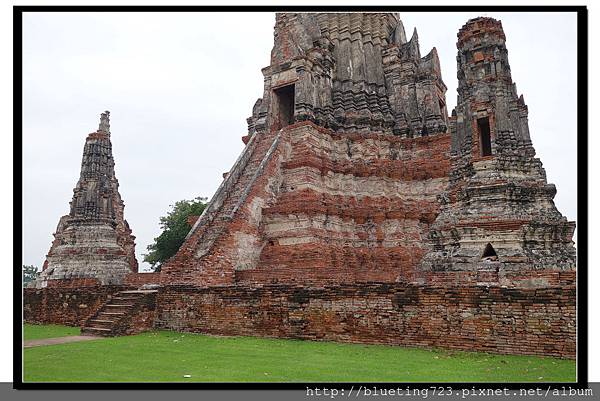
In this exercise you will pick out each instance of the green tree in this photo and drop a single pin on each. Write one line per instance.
(175, 227)
(30, 273)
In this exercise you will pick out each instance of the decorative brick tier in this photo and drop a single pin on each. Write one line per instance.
(515, 279)
(323, 208)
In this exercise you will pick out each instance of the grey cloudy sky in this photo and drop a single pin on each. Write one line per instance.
(181, 85)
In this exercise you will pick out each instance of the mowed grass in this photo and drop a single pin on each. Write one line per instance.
(36, 332)
(164, 356)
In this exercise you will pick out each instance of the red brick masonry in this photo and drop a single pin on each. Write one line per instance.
(493, 319)
(139, 279)
(475, 318)
(68, 306)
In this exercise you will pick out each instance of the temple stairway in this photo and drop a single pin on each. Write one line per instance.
(242, 177)
(216, 219)
(128, 312)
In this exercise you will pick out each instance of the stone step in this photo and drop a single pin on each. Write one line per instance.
(96, 330)
(123, 301)
(101, 323)
(111, 313)
(126, 309)
(138, 292)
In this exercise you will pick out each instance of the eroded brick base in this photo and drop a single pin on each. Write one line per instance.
(490, 319)
(66, 306)
(535, 321)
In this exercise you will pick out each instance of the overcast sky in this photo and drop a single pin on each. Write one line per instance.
(180, 86)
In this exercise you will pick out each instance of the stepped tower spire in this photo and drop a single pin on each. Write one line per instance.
(498, 215)
(93, 243)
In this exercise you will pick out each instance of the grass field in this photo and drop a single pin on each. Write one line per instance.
(35, 332)
(164, 356)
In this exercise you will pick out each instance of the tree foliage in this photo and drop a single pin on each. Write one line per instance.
(30, 273)
(175, 227)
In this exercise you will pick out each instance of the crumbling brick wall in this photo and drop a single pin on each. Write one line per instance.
(66, 306)
(140, 279)
(536, 321)
(474, 318)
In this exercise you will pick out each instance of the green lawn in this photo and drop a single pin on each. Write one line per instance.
(169, 356)
(35, 332)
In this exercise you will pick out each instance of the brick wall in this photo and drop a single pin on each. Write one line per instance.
(519, 279)
(492, 319)
(67, 306)
(139, 279)
(537, 321)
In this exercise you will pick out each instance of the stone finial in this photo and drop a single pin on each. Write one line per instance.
(104, 122)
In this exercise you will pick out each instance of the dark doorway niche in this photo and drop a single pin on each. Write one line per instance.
(489, 252)
(483, 124)
(284, 97)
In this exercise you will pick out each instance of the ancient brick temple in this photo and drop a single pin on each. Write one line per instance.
(359, 210)
(346, 154)
(93, 243)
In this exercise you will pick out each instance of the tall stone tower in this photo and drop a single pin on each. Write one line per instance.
(93, 243)
(347, 151)
(498, 221)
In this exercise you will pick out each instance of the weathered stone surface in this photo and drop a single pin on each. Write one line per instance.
(93, 242)
(326, 208)
(352, 72)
